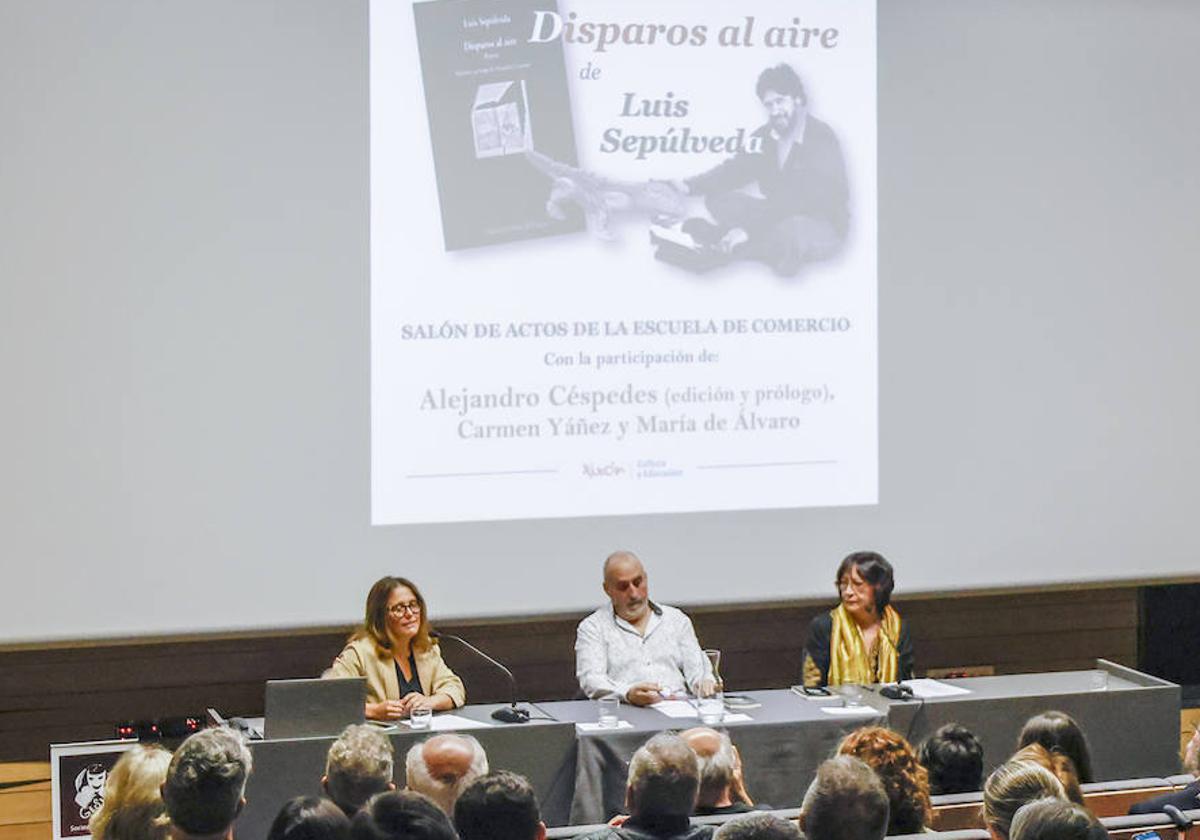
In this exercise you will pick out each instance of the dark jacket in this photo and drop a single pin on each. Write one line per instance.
(1184, 799)
(817, 647)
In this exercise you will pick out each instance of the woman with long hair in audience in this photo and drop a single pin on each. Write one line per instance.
(1058, 764)
(133, 808)
(1012, 785)
(394, 651)
(904, 779)
(309, 818)
(861, 640)
(1058, 732)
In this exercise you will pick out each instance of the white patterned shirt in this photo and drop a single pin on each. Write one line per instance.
(611, 655)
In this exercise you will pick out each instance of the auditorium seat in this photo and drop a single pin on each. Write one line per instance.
(954, 811)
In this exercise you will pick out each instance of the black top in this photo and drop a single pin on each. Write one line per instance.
(817, 646)
(735, 808)
(407, 687)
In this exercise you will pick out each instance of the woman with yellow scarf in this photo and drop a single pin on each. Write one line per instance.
(862, 640)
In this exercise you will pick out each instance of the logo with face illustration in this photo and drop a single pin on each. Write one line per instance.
(89, 789)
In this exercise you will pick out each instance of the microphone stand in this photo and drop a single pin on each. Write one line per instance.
(510, 714)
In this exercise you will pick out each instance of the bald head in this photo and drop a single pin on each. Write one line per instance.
(625, 585)
(719, 765)
(443, 766)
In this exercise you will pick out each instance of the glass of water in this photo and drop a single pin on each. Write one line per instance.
(710, 695)
(606, 708)
(420, 718)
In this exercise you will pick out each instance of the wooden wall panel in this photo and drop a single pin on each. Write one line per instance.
(79, 693)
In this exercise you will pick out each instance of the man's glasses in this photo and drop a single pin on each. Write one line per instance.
(412, 608)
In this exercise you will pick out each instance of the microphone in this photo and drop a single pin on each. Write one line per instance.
(898, 690)
(511, 714)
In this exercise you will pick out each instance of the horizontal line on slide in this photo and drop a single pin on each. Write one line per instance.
(768, 464)
(475, 474)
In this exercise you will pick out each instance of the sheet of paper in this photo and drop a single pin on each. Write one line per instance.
(849, 711)
(926, 688)
(736, 717)
(685, 709)
(675, 708)
(595, 726)
(444, 723)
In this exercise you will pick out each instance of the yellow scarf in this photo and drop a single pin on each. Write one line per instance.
(849, 659)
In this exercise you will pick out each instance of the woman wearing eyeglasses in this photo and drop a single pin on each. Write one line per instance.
(403, 666)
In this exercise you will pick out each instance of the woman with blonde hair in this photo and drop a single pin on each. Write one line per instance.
(133, 808)
(1012, 785)
(904, 779)
(394, 651)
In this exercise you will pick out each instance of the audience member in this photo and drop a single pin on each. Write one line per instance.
(133, 808)
(903, 777)
(358, 766)
(846, 801)
(758, 827)
(722, 788)
(499, 806)
(1011, 785)
(953, 757)
(664, 778)
(205, 785)
(442, 767)
(1058, 764)
(1055, 819)
(1058, 732)
(310, 818)
(401, 815)
(1185, 798)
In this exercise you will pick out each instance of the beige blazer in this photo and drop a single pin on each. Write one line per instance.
(361, 658)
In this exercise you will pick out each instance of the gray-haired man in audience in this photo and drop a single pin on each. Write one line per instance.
(205, 785)
(846, 801)
(358, 766)
(442, 767)
(664, 778)
(722, 789)
(758, 827)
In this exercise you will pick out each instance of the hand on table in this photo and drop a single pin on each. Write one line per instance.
(644, 693)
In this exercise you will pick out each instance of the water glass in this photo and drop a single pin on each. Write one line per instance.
(420, 718)
(852, 694)
(1099, 681)
(606, 708)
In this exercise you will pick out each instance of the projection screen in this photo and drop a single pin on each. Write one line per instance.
(187, 313)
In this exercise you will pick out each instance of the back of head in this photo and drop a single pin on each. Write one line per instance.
(953, 758)
(358, 766)
(1058, 732)
(717, 763)
(499, 806)
(133, 807)
(1011, 785)
(401, 815)
(762, 826)
(205, 781)
(904, 779)
(664, 778)
(310, 818)
(846, 801)
(1054, 819)
(443, 766)
(1058, 764)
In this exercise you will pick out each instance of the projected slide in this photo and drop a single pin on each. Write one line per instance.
(623, 257)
